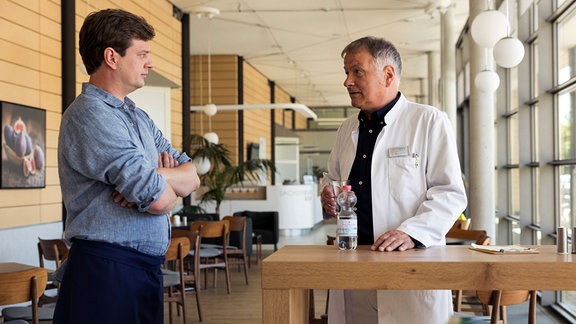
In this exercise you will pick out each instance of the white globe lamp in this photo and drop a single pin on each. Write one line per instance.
(488, 27)
(202, 165)
(210, 109)
(508, 52)
(487, 81)
(211, 137)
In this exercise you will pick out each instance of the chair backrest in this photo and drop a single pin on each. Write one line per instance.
(212, 229)
(462, 224)
(192, 236)
(238, 225)
(507, 297)
(23, 285)
(479, 236)
(52, 250)
(178, 249)
(264, 220)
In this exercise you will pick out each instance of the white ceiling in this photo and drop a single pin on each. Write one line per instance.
(297, 43)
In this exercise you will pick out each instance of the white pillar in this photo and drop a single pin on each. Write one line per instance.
(448, 63)
(422, 98)
(433, 78)
(481, 178)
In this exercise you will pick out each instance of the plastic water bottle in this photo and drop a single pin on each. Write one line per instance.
(347, 224)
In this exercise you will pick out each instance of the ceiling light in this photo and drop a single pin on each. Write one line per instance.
(487, 81)
(202, 165)
(488, 27)
(508, 52)
(205, 12)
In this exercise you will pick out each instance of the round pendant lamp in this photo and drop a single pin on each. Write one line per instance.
(487, 81)
(211, 137)
(202, 165)
(210, 109)
(488, 27)
(508, 52)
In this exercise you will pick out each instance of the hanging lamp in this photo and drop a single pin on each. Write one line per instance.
(210, 109)
(508, 51)
(488, 27)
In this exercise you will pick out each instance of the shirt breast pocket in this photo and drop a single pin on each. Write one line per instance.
(406, 178)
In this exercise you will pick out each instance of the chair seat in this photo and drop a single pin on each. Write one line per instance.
(51, 275)
(218, 247)
(206, 252)
(170, 278)
(470, 319)
(25, 313)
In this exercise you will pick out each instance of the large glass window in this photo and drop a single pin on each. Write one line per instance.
(515, 191)
(567, 192)
(566, 48)
(565, 136)
(514, 171)
(566, 126)
(513, 150)
(534, 72)
(535, 135)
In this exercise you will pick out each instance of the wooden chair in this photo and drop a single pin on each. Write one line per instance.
(221, 231)
(478, 236)
(51, 250)
(191, 264)
(499, 299)
(22, 286)
(174, 287)
(237, 254)
(462, 224)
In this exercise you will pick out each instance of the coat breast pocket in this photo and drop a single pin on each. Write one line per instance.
(406, 178)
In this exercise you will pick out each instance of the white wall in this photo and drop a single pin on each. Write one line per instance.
(20, 244)
(155, 101)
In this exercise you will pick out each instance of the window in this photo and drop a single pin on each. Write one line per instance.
(566, 47)
(566, 126)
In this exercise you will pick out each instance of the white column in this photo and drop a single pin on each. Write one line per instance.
(481, 179)
(433, 70)
(448, 63)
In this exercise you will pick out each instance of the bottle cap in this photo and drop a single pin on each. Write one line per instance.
(347, 187)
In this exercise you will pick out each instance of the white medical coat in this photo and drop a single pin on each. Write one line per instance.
(417, 188)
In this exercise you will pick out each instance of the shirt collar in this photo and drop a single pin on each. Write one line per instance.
(108, 98)
(380, 113)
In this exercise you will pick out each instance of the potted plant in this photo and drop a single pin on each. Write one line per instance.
(222, 173)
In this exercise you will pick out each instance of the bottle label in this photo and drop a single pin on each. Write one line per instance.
(347, 227)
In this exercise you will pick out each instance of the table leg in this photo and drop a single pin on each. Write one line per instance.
(259, 249)
(285, 306)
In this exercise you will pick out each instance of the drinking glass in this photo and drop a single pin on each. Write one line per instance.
(336, 186)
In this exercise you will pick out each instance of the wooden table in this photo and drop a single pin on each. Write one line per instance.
(288, 274)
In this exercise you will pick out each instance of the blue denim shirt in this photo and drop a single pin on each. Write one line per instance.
(106, 144)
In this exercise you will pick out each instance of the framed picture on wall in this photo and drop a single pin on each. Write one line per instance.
(23, 146)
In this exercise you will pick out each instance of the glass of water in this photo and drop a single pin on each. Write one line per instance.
(335, 185)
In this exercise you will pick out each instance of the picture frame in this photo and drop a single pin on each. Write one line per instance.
(23, 163)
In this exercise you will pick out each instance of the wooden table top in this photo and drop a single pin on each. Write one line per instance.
(439, 267)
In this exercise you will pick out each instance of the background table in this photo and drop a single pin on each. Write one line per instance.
(288, 274)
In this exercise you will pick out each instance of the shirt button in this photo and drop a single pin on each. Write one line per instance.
(364, 155)
(360, 182)
(370, 131)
